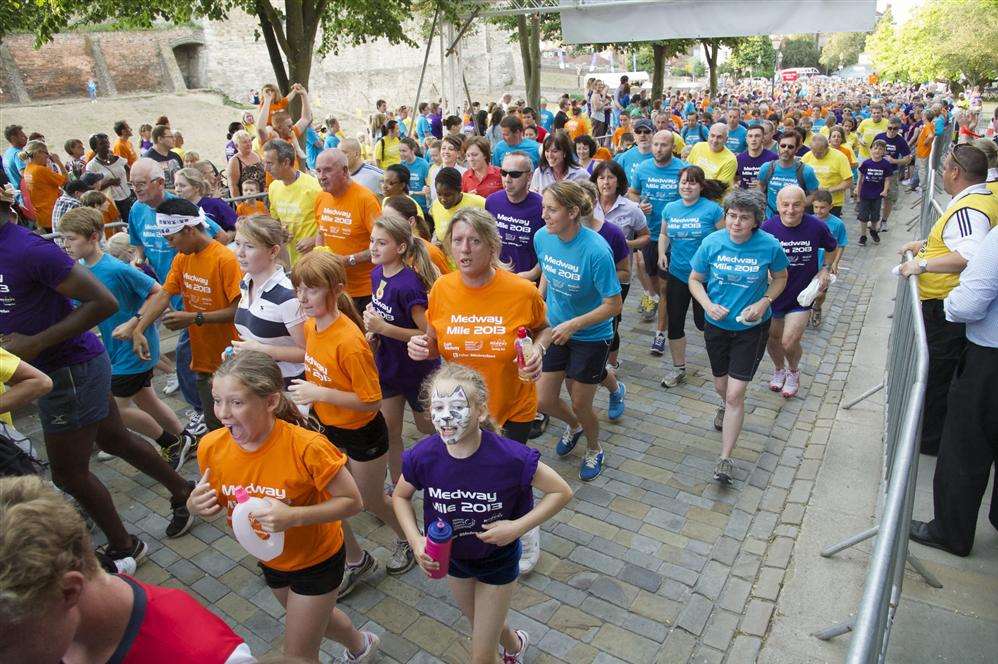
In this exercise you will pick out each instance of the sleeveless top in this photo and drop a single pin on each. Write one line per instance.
(252, 172)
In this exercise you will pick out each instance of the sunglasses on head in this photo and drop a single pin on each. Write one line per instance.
(512, 174)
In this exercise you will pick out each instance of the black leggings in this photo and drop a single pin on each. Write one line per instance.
(677, 303)
(615, 344)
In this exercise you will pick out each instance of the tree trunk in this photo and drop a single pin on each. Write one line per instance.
(534, 92)
(273, 50)
(658, 70)
(524, 38)
(710, 51)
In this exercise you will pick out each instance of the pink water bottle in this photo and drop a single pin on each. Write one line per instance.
(438, 541)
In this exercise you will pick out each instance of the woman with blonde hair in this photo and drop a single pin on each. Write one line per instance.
(191, 185)
(244, 165)
(43, 184)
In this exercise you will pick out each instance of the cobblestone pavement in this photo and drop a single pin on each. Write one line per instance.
(650, 562)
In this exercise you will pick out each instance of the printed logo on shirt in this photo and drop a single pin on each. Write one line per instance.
(460, 501)
(514, 231)
(739, 271)
(685, 227)
(258, 490)
(798, 251)
(336, 222)
(476, 325)
(560, 270)
(316, 368)
(197, 291)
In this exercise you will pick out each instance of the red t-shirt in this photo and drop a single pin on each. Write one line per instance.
(168, 626)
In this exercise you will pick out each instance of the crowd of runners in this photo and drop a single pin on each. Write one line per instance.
(471, 264)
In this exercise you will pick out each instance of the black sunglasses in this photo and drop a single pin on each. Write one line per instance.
(788, 146)
(642, 131)
(512, 174)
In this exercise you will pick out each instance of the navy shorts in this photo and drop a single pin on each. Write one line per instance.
(582, 361)
(780, 314)
(502, 567)
(411, 395)
(80, 396)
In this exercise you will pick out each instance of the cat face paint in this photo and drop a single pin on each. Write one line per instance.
(450, 414)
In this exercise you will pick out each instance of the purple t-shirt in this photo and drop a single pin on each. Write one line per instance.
(615, 238)
(748, 167)
(517, 223)
(875, 173)
(492, 484)
(393, 299)
(31, 268)
(800, 244)
(219, 211)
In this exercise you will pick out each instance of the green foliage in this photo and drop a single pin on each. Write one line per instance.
(952, 41)
(842, 50)
(755, 54)
(800, 52)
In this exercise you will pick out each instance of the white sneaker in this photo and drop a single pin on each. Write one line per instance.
(172, 384)
(531, 550)
(370, 653)
(515, 657)
(779, 377)
(126, 566)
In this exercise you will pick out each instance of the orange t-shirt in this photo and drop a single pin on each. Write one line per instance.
(602, 154)
(340, 357)
(437, 256)
(847, 151)
(249, 208)
(923, 144)
(208, 281)
(44, 188)
(617, 133)
(294, 465)
(476, 327)
(123, 148)
(276, 105)
(346, 223)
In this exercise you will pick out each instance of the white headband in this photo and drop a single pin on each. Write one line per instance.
(168, 224)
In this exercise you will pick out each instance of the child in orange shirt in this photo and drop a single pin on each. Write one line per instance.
(406, 207)
(266, 448)
(254, 206)
(342, 387)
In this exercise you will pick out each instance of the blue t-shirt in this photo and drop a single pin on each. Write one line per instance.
(332, 141)
(419, 169)
(781, 177)
(838, 230)
(13, 166)
(423, 129)
(547, 119)
(580, 275)
(528, 145)
(660, 185)
(687, 226)
(130, 286)
(311, 150)
(688, 108)
(629, 160)
(736, 275)
(693, 134)
(737, 139)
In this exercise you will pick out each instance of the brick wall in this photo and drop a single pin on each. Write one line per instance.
(58, 69)
(133, 60)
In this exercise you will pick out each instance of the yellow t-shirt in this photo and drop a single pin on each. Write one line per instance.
(716, 165)
(831, 171)
(386, 152)
(294, 206)
(868, 130)
(442, 216)
(8, 365)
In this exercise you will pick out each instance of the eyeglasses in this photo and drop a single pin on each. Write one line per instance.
(788, 146)
(512, 174)
(893, 128)
(642, 131)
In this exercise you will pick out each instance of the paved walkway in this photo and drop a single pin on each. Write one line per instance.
(651, 562)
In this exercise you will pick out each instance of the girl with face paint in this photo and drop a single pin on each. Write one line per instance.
(482, 485)
(343, 389)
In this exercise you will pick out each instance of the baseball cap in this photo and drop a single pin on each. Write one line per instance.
(644, 123)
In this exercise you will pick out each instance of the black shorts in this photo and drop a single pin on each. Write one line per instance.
(677, 303)
(502, 567)
(361, 303)
(367, 443)
(320, 579)
(411, 395)
(649, 253)
(518, 431)
(868, 209)
(289, 379)
(736, 354)
(582, 361)
(615, 344)
(128, 385)
(837, 211)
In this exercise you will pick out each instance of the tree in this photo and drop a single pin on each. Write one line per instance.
(800, 52)
(529, 31)
(711, 47)
(842, 50)
(755, 55)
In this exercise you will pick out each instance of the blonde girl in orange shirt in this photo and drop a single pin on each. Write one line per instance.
(343, 390)
(265, 447)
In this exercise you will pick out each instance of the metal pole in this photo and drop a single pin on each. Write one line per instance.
(422, 72)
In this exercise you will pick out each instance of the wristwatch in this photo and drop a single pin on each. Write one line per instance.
(351, 260)
(199, 318)
(923, 266)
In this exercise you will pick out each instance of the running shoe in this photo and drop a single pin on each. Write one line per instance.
(719, 418)
(675, 377)
(723, 471)
(181, 451)
(592, 465)
(531, 550)
(883, 226)
(792, 385)
(875, 235)
(172, 384)
(104, 456)
(538, 426)
(372, 644)
(862, 240)
(569, 439)
(616, 408)
(649, 314)
(402, 559)
(515, 657)
(181, 519)
(136, 553)
(196, 424)
(658, 344)
(779, 377)
(815, 318)
(354, 574)
(646, 304)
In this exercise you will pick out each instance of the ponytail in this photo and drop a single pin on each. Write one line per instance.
(418, 258)
(346, 306)
(323, 269)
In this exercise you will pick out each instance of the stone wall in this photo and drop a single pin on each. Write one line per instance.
(61, 68)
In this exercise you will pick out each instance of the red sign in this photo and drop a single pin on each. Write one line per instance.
(788, 75)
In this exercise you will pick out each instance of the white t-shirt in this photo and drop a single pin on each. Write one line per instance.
(118, 192)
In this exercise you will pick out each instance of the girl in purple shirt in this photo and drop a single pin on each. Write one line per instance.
(400, 281)
(480, 483)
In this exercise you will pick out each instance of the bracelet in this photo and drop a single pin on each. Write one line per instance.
(768, 298)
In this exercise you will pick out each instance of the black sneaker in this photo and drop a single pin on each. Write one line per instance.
(538, 426)
(137, 551)
(182, 451)
(181, 519)
(875, 235)
(862, 240)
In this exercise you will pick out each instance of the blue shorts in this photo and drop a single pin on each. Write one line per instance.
(502, 567)
(411, 395)
(780, 314)
(80, 396)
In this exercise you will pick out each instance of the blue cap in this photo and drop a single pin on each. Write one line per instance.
(439, 531)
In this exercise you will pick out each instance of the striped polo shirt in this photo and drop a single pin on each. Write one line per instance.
(267, 318)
